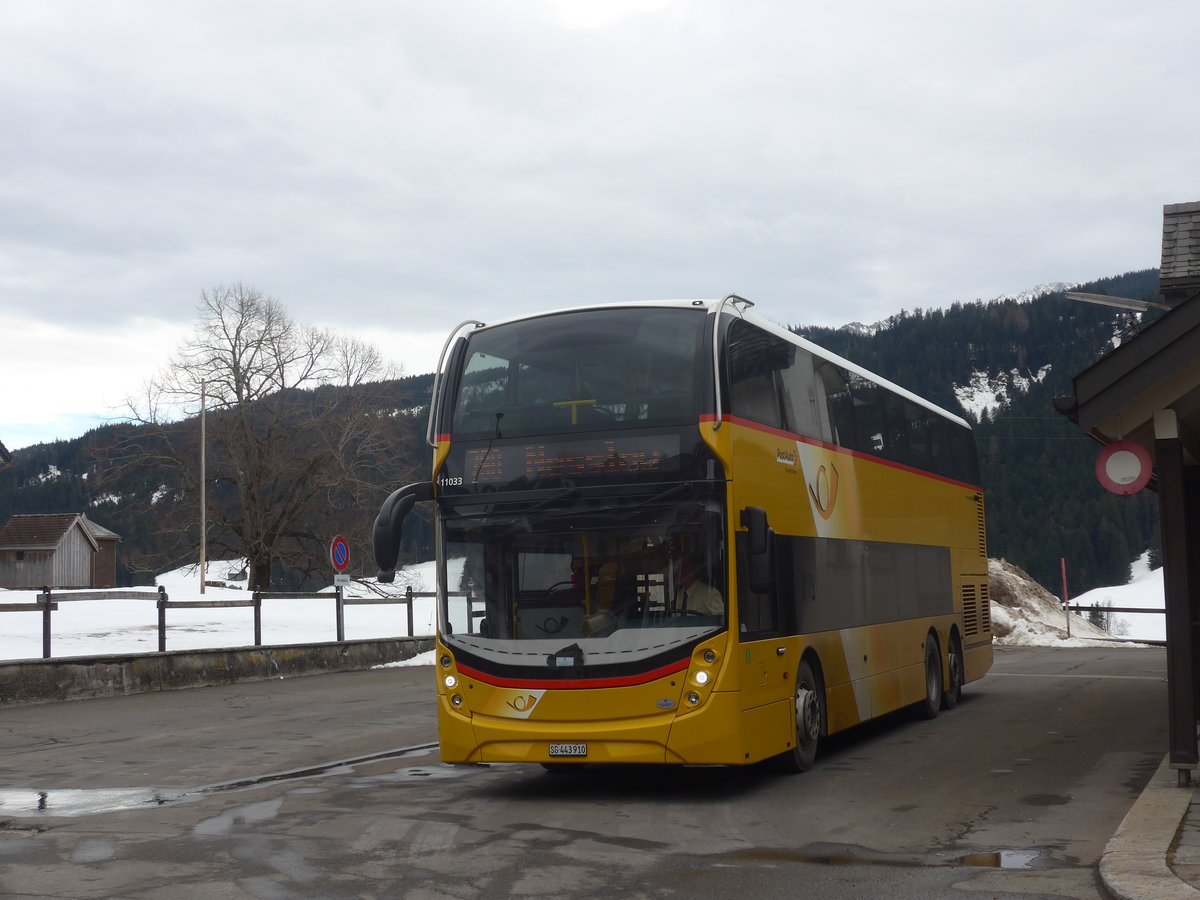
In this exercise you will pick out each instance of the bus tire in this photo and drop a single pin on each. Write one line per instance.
(954, 663)
(810, 720)
(929, 707)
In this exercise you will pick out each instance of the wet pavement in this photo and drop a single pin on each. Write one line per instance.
(330, 786)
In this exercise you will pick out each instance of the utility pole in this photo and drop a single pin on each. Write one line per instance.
(1066, 599)
(203, 494)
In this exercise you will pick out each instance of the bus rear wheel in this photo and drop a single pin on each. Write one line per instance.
(929, 707)
(810, 715)
(954, 662)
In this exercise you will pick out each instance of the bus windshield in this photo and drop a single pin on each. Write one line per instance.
(610, 369)
(615, 584)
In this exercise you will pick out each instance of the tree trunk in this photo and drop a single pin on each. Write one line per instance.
(260, 574)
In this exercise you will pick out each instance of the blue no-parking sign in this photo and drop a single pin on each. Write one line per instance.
(339, 553)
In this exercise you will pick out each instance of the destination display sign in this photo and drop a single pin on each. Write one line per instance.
(603, 458)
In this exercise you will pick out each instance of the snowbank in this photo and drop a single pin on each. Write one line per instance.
(1026, 614)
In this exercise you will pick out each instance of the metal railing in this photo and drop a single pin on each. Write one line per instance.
(47, 603)
(1083, 610)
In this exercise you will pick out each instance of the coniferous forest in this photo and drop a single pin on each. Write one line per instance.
(1043, 500)
(1044, 503)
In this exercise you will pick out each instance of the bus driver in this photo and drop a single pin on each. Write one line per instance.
(695, 595)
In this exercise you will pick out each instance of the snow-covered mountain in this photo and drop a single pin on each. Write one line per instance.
(1038, 290)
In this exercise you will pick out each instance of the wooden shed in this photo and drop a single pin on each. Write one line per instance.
(59, 551)
(104, 563)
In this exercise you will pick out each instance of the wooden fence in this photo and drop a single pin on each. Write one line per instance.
(48, 601)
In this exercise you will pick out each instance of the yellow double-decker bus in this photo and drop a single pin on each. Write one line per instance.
(676, 533)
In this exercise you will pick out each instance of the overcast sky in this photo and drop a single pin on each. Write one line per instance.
(391, 168)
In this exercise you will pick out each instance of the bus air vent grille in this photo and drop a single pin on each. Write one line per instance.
(970, 608)
(981, 524)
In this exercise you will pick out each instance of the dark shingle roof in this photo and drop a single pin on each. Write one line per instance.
(40, 532)
(1179, 274)
(99, 532)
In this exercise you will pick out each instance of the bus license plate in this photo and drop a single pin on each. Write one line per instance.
(568, 749)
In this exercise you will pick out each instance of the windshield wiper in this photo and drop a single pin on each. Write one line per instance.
(561, 494)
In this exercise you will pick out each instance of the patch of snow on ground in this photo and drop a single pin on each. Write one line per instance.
(119, 626)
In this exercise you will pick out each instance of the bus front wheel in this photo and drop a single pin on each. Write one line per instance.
(810, 716)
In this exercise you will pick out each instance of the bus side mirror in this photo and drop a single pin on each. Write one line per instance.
(389, 526)
(760, 567)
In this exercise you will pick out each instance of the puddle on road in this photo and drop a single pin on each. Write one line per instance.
(84, 802)
(1003, 859)
(859, 856)
(71, 802)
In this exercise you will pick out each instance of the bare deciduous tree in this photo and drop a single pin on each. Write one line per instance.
(292, 455)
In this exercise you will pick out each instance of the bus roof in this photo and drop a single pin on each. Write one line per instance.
(743, 312)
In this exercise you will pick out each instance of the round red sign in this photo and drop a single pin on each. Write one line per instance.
(339, 553)
(1124, 467)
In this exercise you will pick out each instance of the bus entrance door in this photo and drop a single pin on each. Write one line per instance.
(767, 686)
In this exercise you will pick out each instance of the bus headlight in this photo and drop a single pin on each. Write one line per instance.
(451, 682)
(710, 657)
(445, 660)
(456, 700)
(701, 677)
(693, 698)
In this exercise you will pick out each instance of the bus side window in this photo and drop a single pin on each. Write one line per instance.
(868, 416)
(918, 435)
(804, 402)
(838, 402)
(954, 450)
(895, 429)
(754, 358)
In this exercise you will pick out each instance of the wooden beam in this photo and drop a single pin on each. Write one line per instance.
(1181, 647)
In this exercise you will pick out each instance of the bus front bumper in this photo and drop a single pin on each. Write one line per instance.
(705, 736)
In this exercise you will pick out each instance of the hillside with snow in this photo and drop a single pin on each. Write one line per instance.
(988, 391)
(1026, 614)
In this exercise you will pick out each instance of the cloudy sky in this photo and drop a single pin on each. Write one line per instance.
(389, 168)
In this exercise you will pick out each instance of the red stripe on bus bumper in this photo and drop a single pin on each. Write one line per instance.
(575, 683)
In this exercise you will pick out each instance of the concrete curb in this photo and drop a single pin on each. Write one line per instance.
(1134, 864)
(83, 677)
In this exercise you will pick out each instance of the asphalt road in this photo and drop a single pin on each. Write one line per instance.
(329, 786)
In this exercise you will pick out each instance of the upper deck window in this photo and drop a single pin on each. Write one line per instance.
(776, 383)
(591, 369)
